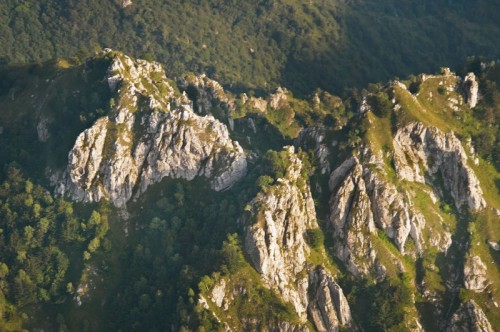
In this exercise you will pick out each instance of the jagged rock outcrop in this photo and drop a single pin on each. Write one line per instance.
(422, 154)
(471, 87)
(351, 218)
(475, 274)
(42, 129)
(148, 135)
(328, 306)
(362, 201)
(207, 92)
(126, 3)
(278, 98)
(314, 138)
(469, 318)
(275, 242)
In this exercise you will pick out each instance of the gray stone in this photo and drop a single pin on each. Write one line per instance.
(469, 318)
(123, 153)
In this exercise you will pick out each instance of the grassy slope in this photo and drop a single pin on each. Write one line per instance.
(431, 106)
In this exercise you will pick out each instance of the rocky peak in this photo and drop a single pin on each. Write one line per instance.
(471, 87)
(277, 224)
(279, 98)
(421, 154)
(275, 237)
(147, 135)
(363, 201)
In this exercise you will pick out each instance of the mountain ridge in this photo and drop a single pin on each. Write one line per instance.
(387, 192)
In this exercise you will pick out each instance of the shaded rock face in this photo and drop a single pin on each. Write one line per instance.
(469, 318)
(314, 138)
(475, 274)
(351, 218)
(42, 129)
(276, 244)
(471, 87)
(207, 92)
(147, 136)
(422, 154)
(362, 201)
(328, 307)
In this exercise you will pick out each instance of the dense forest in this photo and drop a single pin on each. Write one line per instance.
(260, 44)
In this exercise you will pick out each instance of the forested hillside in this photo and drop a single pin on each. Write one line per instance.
(329, 44)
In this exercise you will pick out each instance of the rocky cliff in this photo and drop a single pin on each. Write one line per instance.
(469, 317)
(149, 134)
(363, 201)
(398, 231)
(422, 154)
(369, 203)
(276, 242)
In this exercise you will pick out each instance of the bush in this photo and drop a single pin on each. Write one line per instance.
(263, 182)
(380, 104)
(315, 238)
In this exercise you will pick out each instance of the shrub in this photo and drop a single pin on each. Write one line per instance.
(380, 103)
(315, 237)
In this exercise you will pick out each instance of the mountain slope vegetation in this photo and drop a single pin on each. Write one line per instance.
(260, 44)
(379, 214)
(253, 177)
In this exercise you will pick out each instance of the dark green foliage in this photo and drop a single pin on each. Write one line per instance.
(381, 306)
(303, 45)
(276, 163)
(486, 127)
(264, 181)
(315, 238)
(232, 254)
(415, 83)
(380, 103)
(70, 99)
(256, 302)
(38, 237)
(180, 236)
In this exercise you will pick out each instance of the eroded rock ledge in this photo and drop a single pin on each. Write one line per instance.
(422, 154)
(148, 135)
(276, 244)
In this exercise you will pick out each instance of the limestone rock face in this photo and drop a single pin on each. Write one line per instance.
(279, 98)
(207, 91)
(277, 225)
(314, 138)
(475, 274)
(275, 242)
(219, 293)
(148, 135)
(328, 307)
(469, 318)
(471, 87)
(351, 218)
(420, 150)
(362, 201)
